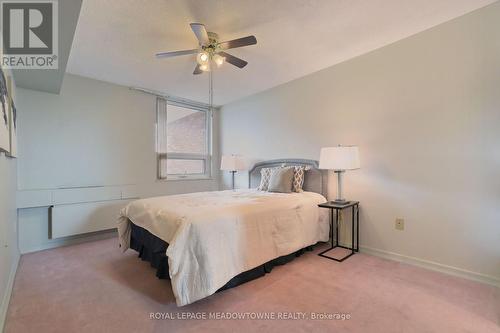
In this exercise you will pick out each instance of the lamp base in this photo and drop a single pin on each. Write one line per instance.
(232, 179)
(339, 200)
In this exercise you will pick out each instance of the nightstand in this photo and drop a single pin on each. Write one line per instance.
(338, 206)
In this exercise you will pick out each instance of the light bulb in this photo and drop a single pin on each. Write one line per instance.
(218, 59)
(202, 58)
(205, 67)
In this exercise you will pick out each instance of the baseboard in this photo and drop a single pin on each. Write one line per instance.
(8, 292)
(455, 271)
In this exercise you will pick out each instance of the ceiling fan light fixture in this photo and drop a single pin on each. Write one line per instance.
(218, 59)
(202, 58)
(210, 53)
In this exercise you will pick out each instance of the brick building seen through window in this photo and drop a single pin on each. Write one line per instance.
(182, 141)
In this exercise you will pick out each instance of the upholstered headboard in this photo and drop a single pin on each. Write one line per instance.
(315, 179)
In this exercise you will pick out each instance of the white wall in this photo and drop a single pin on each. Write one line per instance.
(9, 253)
(92, 133)
(425, 113)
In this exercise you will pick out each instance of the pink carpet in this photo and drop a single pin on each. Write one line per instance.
(93, 287)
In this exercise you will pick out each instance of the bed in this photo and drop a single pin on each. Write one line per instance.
(209, 241)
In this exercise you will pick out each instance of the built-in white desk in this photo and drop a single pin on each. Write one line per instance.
(79, 210)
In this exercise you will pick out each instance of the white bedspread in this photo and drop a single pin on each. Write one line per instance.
(214, 236)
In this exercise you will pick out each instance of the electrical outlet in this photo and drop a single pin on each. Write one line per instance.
(399, 224)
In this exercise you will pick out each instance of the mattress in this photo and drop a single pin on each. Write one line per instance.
(214, 236)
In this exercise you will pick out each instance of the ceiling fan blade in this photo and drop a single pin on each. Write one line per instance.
(197, 70)
(200, 32)
(240, 42)
(175, 53)
(234, 60)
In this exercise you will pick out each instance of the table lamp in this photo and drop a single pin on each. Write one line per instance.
(339, 159)
(232, 163)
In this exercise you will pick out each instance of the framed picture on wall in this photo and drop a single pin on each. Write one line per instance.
(4, 114)
(12, 118)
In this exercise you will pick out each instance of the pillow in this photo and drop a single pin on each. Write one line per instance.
(298, 178)
(265, 175)
(281, 180)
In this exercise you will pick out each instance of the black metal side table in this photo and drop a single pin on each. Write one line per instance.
(332, 205)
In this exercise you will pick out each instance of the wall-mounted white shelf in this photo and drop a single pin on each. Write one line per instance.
(74, 195)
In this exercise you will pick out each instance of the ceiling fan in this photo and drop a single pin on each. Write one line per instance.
(210, 50)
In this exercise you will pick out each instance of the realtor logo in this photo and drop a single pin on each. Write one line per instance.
(29, 34)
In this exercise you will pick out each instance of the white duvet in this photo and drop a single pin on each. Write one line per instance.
(214, 236)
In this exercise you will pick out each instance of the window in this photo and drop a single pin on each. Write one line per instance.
(182, 140)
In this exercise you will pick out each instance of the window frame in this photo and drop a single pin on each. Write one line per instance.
(207, 158)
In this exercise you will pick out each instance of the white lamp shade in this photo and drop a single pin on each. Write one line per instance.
(339, 158)
(232, 163)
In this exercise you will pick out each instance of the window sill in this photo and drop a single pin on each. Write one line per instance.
(185, 179)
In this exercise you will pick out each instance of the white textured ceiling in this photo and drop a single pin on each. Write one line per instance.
(115, 40)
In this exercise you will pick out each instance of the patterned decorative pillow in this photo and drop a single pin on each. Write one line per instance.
(298, 178)
(265, 176)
